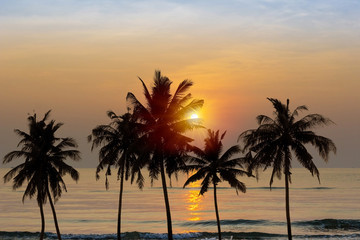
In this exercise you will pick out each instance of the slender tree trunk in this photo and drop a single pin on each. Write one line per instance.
(42, 221)
(54, 214)
(287, 200)
(166, 198)
(217, 212)
(120, 203)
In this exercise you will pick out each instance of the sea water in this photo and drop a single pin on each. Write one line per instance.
(330, 210)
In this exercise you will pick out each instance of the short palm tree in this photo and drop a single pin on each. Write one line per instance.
(44, 164)
(118, 141)
(164, 121)
(276, 140)
(213, 167)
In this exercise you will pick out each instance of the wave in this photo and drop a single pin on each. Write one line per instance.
(324, 225)
(316, 229)
(320, 188)
(281, 188)
(191, 235)
(331, 224)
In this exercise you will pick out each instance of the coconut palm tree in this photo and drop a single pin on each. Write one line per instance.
(44, 165)
(213, 167)
(117, 140)
(164, 120)
(276, 141)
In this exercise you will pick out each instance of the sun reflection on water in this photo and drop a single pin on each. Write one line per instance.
(194, 200)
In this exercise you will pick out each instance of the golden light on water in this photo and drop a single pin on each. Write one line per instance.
(194, 219)
(194, 200)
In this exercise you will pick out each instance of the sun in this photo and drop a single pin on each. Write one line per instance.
(194, 116)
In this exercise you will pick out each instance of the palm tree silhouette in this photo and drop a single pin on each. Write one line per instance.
(44, 164)
(276, 140)
(163, 122)
(213, 167)
(117, 140)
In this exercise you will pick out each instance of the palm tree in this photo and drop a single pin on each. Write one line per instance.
(163, 123)
(213, 167)
(276, 140)
(117, 140)
(44, 164)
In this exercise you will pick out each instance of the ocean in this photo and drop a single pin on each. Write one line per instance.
(330, 210)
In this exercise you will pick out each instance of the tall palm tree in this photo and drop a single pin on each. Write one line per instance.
(275, 141)
(44, 165)
(164, 121)
(213, 167)
(117, 140)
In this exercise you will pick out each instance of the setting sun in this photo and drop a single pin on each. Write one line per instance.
(194, 116)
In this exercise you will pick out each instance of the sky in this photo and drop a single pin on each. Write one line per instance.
(80, 58)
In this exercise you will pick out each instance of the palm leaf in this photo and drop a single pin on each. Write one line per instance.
(230, 177)
(205, 184)
(9, 175)
(15, 154)
(229, 153)
(263, 119)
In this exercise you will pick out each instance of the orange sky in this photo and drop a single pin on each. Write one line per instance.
(80, 58)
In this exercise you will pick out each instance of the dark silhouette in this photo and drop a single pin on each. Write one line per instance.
(117, 140)
(214, 168)
(276, 140)
(44, 164)
(163, 122)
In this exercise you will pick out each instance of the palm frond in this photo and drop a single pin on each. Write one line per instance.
(229, 153)
(299, 109)
(186, 124)
(139, 110)
(191, 168)
(181, 102)
(183, 87)
(304, 157)
(67, 142)
(55, 127)
(232, 163)
(9, 175)
(324, 146)
(205, 184)
(72, 154)
(277, 166)
(196, 177)
(263, 119)
(16, 154)
(146, 91)
(230, 177)
(31, 189)
(311, 121)
(46, 116)
(193, 106)
(178, 97)
(280, 108)
(200, 160)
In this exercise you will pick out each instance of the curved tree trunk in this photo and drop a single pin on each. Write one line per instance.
(120, 203)
(54, 214)
(166, 198)
(217, 213)
(42, 221)
(287, 200)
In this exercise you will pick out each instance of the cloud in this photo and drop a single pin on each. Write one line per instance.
(241, 20)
